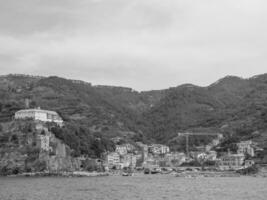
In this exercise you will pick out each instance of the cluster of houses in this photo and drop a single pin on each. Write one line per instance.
(134, 155)
(128, 155)
(158, 155)
(124, 156)
(243, 158)
(142, 155)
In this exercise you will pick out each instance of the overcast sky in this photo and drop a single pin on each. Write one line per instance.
(143, 44)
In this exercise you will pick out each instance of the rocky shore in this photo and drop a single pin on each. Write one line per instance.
(208, 174)
(62, 174)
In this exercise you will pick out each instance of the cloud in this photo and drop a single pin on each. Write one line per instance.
(142, 44)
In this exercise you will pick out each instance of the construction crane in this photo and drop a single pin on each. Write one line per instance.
(187, 134)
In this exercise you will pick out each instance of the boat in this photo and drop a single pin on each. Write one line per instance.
(126, 174)
(128, 171)
(146, 171)
(155, 171)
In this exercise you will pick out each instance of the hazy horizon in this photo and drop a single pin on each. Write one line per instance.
(144, 45)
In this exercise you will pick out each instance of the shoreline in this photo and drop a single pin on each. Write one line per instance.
(200, 174)
(60, 174)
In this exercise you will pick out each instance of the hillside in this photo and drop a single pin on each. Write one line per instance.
(104, 109)
(74, 101)
(138, 102)
(232, 105)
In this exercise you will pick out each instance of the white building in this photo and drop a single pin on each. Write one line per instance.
(246, 147)
(38, 114)
(212, 155)
(249, 163)
(175, 157)
(158, 149)
(130, 147)
(129, 160)
(113, 159)
(232, 161)
(150, 162)
(121, 149)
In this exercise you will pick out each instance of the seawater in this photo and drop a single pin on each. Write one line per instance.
(154, 187)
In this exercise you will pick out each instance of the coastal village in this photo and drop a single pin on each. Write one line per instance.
(129, 157)
(133, 100)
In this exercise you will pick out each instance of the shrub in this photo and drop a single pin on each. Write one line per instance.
(4, 138)
(14, 139)
(249, 170)
(39, 165)
(16, 170)
(192, 163)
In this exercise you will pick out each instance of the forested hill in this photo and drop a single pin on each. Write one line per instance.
(138, 102)
(231, 105)
(78, 102)
(89, 112)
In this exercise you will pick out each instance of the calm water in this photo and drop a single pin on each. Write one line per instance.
(128, 188)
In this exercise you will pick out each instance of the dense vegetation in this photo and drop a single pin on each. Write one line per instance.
(94, 114)
(233, 106)
(82, 141)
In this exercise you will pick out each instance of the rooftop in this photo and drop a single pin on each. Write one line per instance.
(38, 110)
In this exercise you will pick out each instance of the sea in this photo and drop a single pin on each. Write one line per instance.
(146, 187)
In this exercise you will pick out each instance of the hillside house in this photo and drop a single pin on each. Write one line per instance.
(39, 115)
(249, 163)
(113, 159)
(129, 160)
(175, 157)
(151, 162)
(158, 149)
(246, 147)
(121, 149)
(129, 147)
(231, 161)
(212, 155)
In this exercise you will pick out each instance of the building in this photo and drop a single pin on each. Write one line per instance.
(38, 114)
(144, 149)
(129, 160)
(212, 155)
(175, 158)
(113, 159)
(43, 142)
(217, 140)
(125, 148)
(231, 161)
(121, 149)
(246, 147)
(129, 147)
(195, 154)
(151, 163)
(249, 163)
(158, 149)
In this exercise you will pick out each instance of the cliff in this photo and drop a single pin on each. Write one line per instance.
(28, 146)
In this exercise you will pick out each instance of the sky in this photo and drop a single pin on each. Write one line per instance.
(142, 44)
